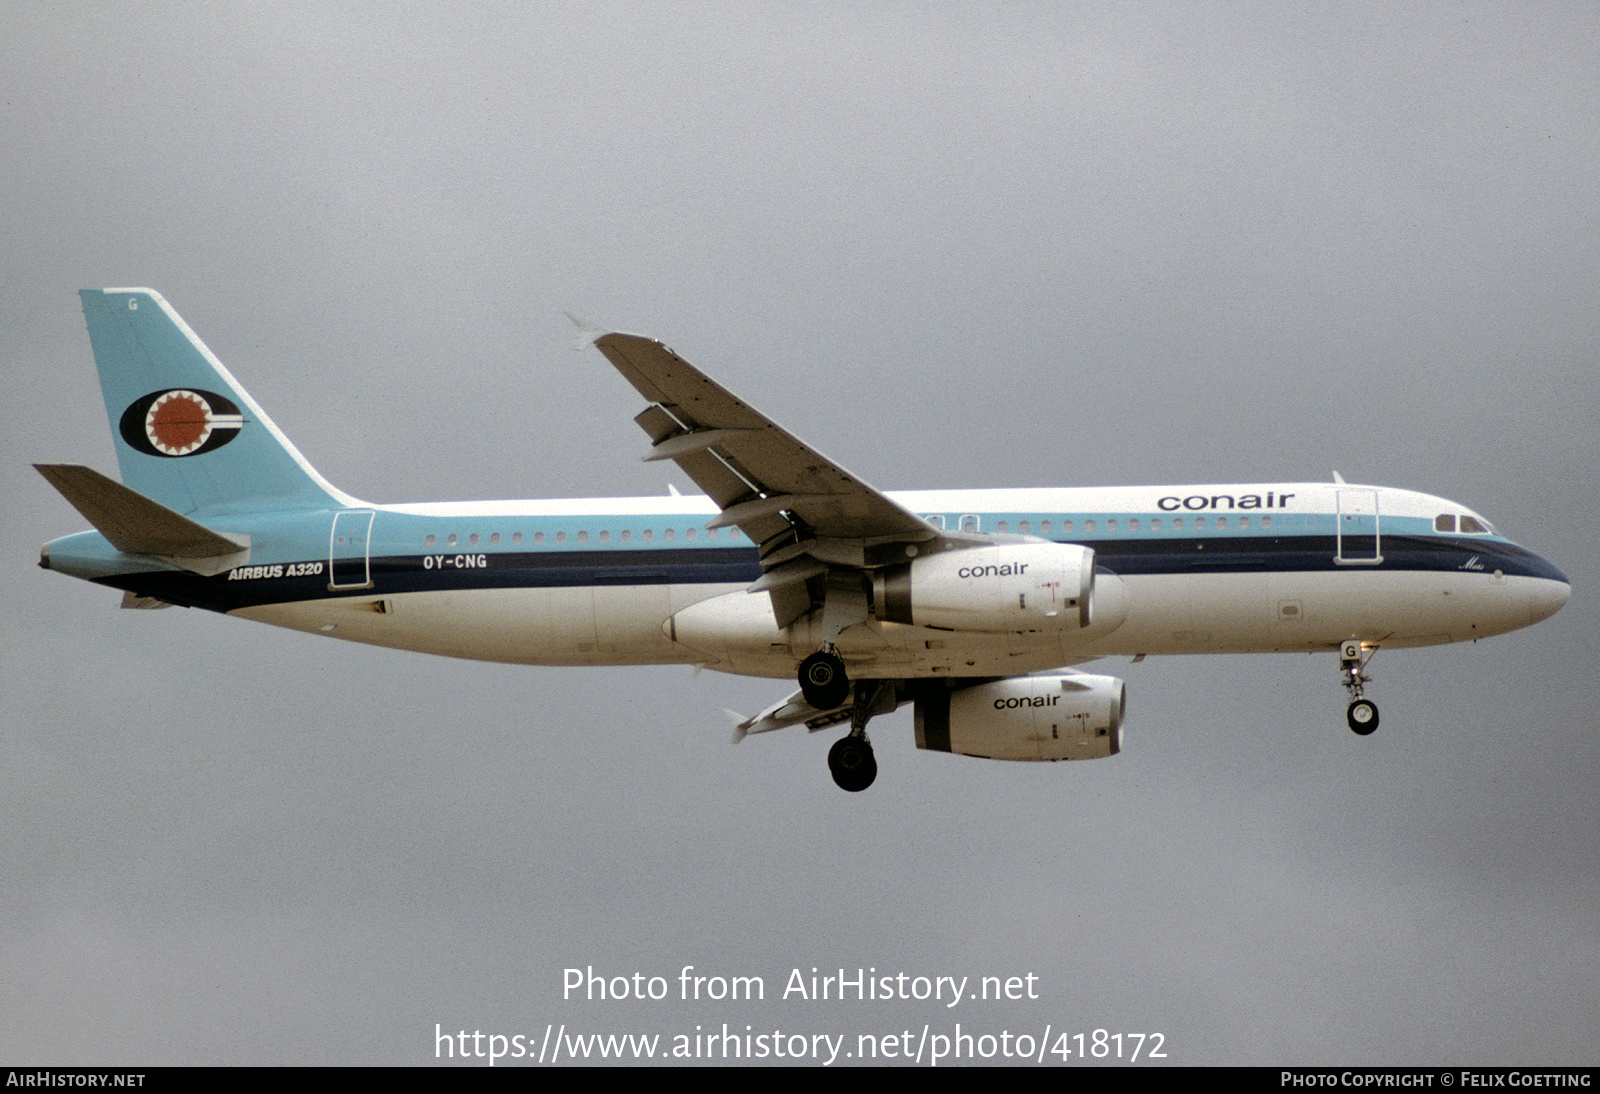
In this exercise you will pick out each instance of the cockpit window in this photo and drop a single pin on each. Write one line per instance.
(1472, 525)
(1444, 522)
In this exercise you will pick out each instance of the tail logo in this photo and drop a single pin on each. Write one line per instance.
(180, 422)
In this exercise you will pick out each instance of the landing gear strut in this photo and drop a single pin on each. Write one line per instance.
(827, 687)
(823, 680)
(851, 759)
(1362, 713)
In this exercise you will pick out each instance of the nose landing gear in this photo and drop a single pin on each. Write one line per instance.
(1362, 714)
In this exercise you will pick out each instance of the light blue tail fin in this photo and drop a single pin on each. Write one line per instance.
(186, 434)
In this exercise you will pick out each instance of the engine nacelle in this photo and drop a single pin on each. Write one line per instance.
(1025, 718)
(993, 590)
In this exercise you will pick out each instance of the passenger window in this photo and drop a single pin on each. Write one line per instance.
(1003, 527)
(1133, 524)
(605, 537)
(1088, 526)
(647, 535)
(450, 540)
(969, 524)
(689, 534)
(1111, 525)
(516, 539)
(432, 540)
(668, 534)
(1044, 527)
(561, 537)
(1155, 524)
(1022, 526)
(494, 539)
(1444, 522)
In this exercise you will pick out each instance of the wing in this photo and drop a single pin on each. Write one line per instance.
(807, 514)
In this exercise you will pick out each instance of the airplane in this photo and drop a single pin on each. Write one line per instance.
(970, 605)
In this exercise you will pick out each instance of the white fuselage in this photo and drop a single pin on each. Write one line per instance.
(1214, 569)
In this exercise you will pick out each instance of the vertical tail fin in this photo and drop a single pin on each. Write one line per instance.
(186, 434)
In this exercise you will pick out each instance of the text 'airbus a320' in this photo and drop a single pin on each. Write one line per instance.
(967, 604)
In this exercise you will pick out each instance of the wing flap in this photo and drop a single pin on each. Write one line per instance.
(792, 711)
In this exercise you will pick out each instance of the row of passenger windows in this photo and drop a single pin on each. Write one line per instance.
(1445, 522)
(539, 540)
(968, 524)
(1134, 524)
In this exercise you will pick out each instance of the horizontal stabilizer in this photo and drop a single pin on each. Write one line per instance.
(138, 526)
(134, 600)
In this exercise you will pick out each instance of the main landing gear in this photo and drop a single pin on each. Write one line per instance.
(852, 762)
(823, 680)
(826, 685)
(851, 759)
(1362, 713)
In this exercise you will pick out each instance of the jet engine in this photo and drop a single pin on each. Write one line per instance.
(1004, 588)
(1065, 717)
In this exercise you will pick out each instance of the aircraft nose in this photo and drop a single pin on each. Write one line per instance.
(1546, 599)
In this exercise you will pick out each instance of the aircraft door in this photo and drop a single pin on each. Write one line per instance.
(1356, 538)
(348, 543)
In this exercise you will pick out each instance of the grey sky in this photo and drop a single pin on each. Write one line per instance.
(975, 245)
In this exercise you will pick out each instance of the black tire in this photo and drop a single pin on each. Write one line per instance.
(852, 763)
(1362, 716)
(823, 680)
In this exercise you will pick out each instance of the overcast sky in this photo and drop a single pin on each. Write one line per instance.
(957, 245)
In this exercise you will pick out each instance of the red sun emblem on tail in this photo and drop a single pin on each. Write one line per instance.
(180, 422)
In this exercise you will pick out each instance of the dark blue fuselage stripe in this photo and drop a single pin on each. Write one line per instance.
(733, 565)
